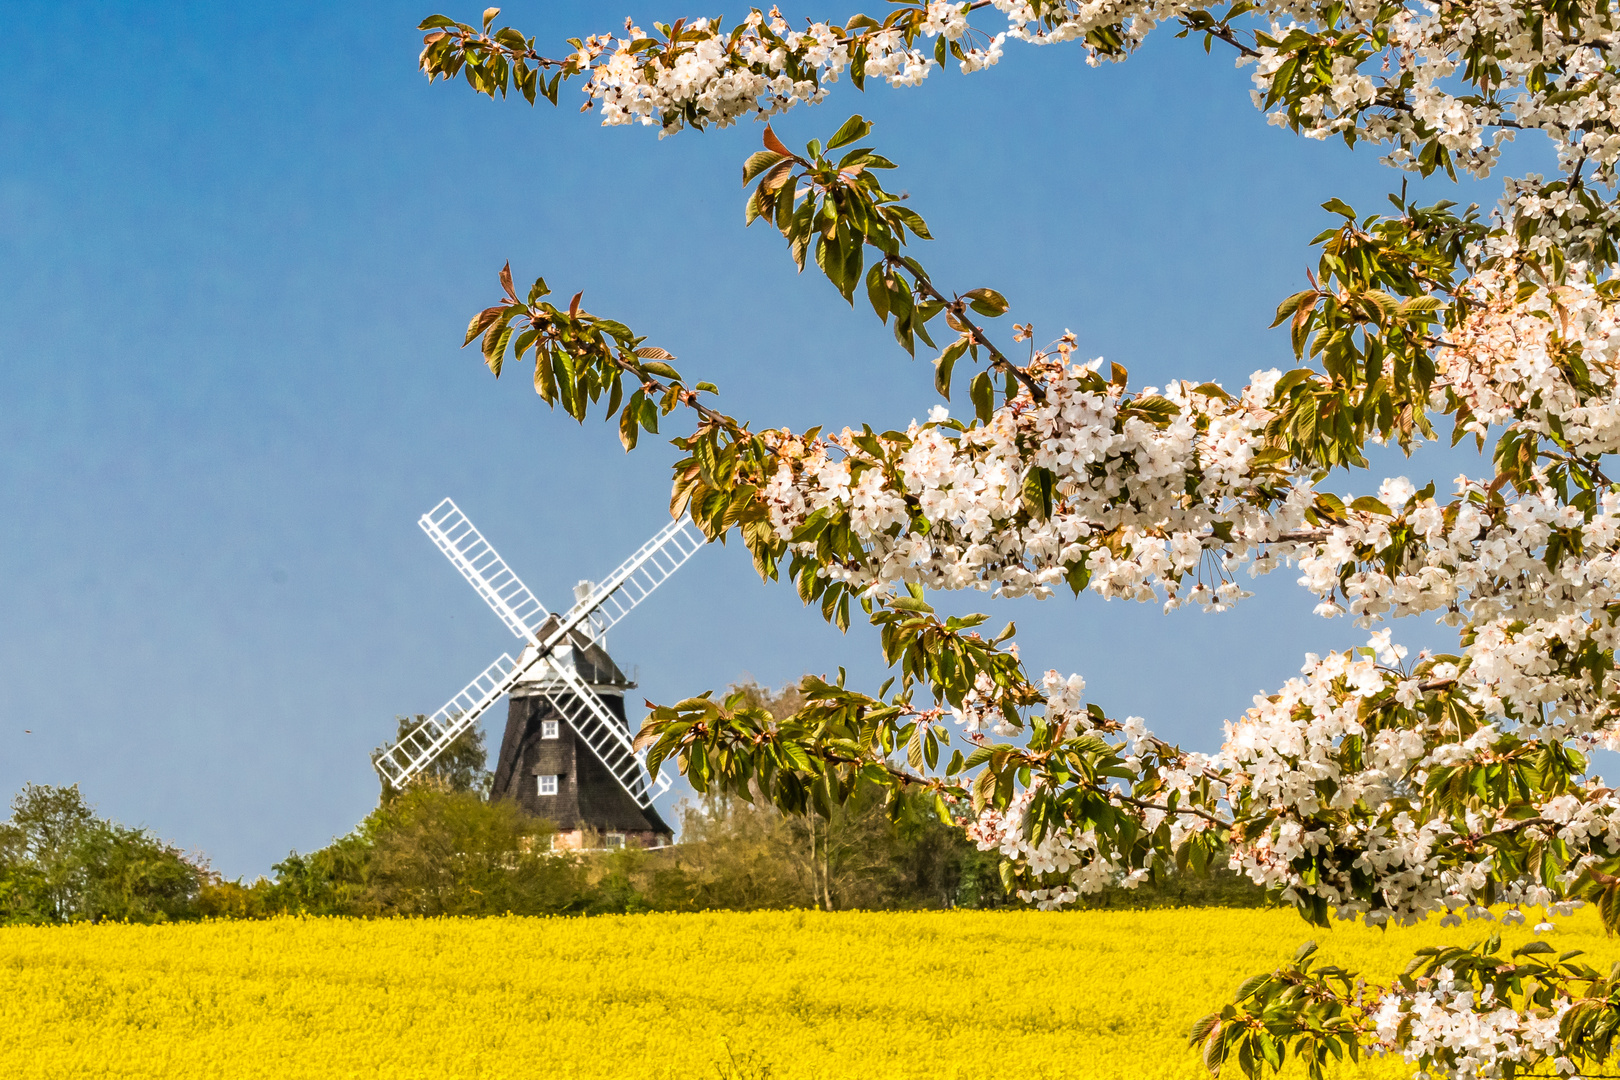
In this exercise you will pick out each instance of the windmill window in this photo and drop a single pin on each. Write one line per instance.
(615, 839)
(548, 785)
(549, 729)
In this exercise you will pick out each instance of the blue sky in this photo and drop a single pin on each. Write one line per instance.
(238, 246)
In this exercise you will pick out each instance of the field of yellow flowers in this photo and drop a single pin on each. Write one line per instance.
(785, 995)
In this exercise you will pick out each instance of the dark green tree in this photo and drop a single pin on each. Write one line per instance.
(437, 851)
(461, 767)
(132, 876)
(328, 881)
(435, 847)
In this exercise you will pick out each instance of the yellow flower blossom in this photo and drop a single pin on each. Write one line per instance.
(785, 995)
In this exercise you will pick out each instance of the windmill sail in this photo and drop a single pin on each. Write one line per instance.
(500, 587)
(484, 568)
(635, 579)
(427, 740)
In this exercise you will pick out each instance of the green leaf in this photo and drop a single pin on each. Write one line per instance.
(1291, 305)
(628, 431)
(758, 162)
(1038, 493)
(481, 322)
(853, 128)
(1419, 305)
(524, 340)
(495, 347)
(545, 377)
(982, 392)
(1268, 1047)
(947, 361)
(987, 302)
(1369, 505)
(911, 220)
(877, 291)
(828, 258)
(658, 367)
(1250, 985)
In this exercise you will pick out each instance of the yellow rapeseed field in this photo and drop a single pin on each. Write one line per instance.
(785, 995)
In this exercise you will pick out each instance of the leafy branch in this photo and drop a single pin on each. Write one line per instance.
(1380, 287)
(836, 209)
(491, 62)
(579, 357)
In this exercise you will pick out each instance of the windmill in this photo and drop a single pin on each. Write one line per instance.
(565, 692)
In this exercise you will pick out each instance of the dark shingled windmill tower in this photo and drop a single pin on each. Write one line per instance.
(567, 752)
(547, 768)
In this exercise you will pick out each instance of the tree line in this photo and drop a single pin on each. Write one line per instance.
(441, 846)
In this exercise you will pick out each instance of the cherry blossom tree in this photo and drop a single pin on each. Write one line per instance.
(1377, 785)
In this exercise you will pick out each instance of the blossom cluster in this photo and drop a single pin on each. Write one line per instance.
(1320, 787)
(1545, 362)
(1065, 863)
(1072, 859)
(1140, 485)
(1533, 618)
(1327, 773)
(719, 78)
(1550, 75)
(1465, 1031)
(1533, 575)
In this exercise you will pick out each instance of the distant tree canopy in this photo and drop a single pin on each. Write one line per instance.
(60, 863)
(427, 850)
(440, 847)
(437, 847)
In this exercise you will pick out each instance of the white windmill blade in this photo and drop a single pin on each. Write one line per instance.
(417, 748)
(588, 715)
(484, 568)
(633, 581)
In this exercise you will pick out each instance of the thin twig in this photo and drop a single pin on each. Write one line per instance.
(1145, 805)
(958, 307)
